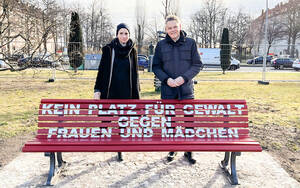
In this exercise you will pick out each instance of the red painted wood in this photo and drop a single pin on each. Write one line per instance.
(111, 118)
(117, 136)
(143, 101)
(142, 112)
(141, 148)
(134, 141)
(117, 130)
(187, 124)
(105, 107)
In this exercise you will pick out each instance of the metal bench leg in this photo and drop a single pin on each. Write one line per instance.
(224, 163)
(232, 176)
(52, 167)
(60, 161)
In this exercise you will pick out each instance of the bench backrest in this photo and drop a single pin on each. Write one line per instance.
(172, 119)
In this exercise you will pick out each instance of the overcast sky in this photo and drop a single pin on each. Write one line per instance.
(124, 10)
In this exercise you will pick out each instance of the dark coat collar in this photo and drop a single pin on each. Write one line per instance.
(180, 41)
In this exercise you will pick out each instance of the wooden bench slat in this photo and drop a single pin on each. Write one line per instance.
(141, 148)
(97, 118)
(187, 124)
(132, 141)
(117, 130)
(136, 137)
(143, 101)
(141, 112)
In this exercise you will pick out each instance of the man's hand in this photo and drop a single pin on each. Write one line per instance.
(97, 95)
(171, 82)
(179, 81)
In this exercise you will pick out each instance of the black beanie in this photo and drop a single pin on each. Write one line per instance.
(120, 26)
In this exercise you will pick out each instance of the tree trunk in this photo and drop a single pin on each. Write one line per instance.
(289, 43)
(292, 54)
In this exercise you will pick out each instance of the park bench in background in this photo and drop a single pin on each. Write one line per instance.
(78, 125)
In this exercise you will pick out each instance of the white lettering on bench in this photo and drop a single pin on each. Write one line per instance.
(179, 132)
(140, 132)
(113, 109)
(160, 109)
(122, 107)
(60, 109)
(222, 133)
(189, 133)
(210, 132)
(233, 132)
(48, 107)
(203, 109)
(51, 131)
(199, 132)
(62, 132)
(80, 133)
(229, 112)
(136, 132)
(93, 106)
(154, 121)
(132, 107)
(167, 133)
(239, 106)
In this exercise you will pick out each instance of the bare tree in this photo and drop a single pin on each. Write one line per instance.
(199, 29)
(34, 30)
(215, 12)
(292, 24)
(275, 31)
(207, 23)
(151, 31)
(170, 7)
(239, 25)
(8, 33)
(97, 26)
(140, 24)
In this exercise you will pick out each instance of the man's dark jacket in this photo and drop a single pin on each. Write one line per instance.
(174, 59)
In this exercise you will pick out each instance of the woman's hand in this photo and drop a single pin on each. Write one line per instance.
(97, 95)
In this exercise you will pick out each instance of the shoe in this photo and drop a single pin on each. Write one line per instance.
(120, 156)
(171, 156)
(189, 157)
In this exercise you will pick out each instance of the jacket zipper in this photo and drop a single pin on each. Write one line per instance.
(111, 69)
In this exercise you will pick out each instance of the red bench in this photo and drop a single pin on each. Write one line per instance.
(76, 125)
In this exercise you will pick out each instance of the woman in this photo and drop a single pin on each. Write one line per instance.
(118, 71)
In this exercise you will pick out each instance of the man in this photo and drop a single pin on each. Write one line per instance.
(176, 62)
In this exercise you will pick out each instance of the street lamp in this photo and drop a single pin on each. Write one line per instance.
(263, 81)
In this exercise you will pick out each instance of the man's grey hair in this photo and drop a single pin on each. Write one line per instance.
(171, 18)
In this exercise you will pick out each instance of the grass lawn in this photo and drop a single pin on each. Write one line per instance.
(277, 103)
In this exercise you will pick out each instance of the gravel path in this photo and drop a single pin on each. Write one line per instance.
(144, 170)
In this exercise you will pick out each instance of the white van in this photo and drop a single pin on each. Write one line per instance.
(210, 57)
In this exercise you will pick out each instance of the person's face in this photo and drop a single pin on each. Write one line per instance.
(123, 35)
(173, 29)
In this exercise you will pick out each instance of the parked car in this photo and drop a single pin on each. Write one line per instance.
(210, 57)
(234, 64)
(280, 63)
(2, 64)
(259, 60)
(143, 62)
(35, 62)
(296, 64)
(15, 57)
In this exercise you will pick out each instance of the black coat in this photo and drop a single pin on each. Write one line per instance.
(103, 81)
(174, 59)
